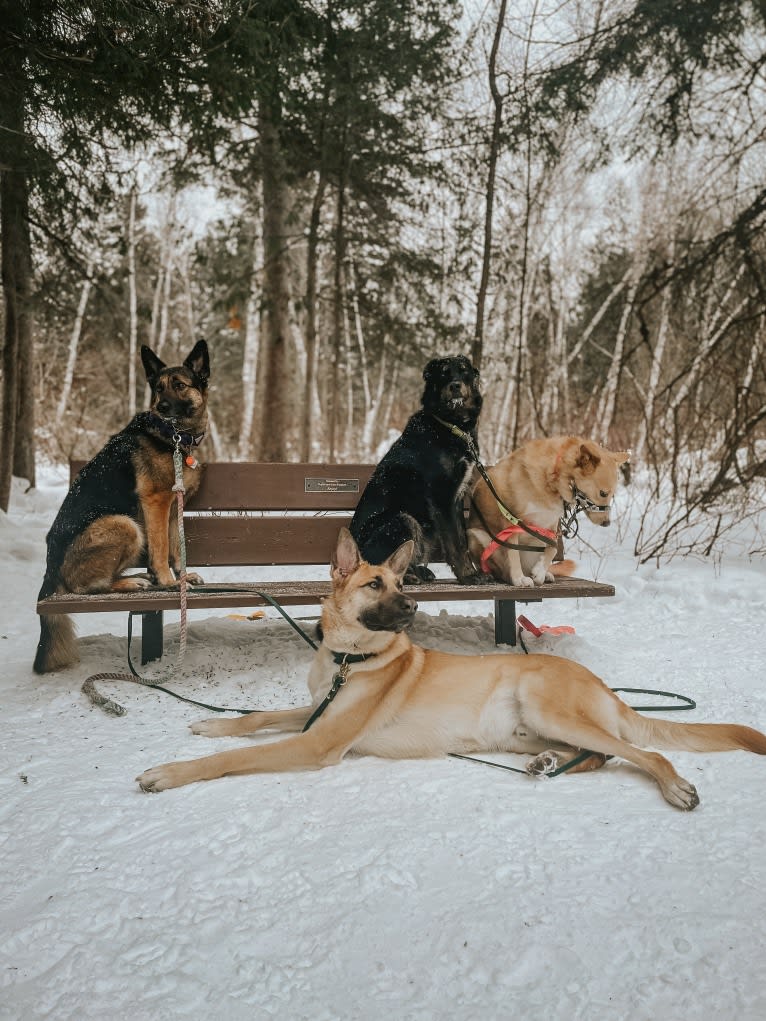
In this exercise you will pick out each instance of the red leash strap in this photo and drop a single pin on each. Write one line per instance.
(505, 534)
(538, 632)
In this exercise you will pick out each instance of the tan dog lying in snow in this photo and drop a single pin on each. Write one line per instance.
(401, 701)
(536, 483)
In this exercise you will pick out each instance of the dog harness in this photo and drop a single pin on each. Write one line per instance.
(501, 539)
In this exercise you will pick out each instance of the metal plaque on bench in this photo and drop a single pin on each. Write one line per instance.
(331, 485)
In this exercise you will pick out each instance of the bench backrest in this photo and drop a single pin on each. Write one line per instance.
(252, 513)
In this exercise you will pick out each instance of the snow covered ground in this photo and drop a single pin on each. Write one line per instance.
(404, 890)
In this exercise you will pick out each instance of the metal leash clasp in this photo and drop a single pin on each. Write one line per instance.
(339, 680)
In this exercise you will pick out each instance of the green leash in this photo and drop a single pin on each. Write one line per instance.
(688, 703)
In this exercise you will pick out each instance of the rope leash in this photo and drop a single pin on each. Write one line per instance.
(114, 709)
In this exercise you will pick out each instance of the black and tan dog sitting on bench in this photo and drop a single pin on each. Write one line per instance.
(416, 492)
(120, 504)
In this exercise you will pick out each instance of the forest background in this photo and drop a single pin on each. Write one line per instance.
(332, 192)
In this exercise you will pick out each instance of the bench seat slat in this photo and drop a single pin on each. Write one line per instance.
(296, 593)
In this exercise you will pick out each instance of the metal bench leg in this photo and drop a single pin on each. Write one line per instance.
(151, 636)
(505, 622)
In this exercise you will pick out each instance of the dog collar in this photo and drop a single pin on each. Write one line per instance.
(341, 658)
(344, 660)
(460, 433)
(168, 430)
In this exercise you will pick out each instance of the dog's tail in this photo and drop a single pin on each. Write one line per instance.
(693, 737)
(57, 647)
(563, 568)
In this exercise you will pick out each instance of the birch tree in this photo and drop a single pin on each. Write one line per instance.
(74, 343)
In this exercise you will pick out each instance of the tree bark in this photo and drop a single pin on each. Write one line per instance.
(250, 355)
(338, 295)
(17, 443)
(607, 403)
(276, 390)
(132, 304)
(312, 256)
(74, 344)
(655, 368)
(477, 348)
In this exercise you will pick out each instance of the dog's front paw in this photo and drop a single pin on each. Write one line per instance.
(160, 778)
(543, 764)
(540, 576)
(210, 728)
(418, 574)
(163, 579)
(192, 578)
(522, 581)
(681, 794)
(476, 578)
(132, 583)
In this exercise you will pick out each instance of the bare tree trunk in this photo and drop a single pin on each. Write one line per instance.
(250, 356)
(338, 294)
(74, 343)
(161, 298)
(363, 367)
(219, 448)
(312, 257)
(525, 281)
(311, 410)
(373, 410)
(384, 420)
(608, 400)
(349, 446)
(165, 303)
(615, 292)
(276, 389)
(17, 451)
(133, 304)
(716, 332)
(497, 435)
(166, 273)
(655, 369)
(191, 316)
(555, 376)
(477, 348)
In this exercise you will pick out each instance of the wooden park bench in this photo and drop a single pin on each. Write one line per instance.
(259, 515)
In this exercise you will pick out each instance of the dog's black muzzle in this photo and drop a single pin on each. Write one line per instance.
(175, 410)
(394, 614)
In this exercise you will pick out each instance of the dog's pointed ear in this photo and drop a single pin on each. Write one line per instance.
(198, 361)
(467, 366)
(620, 456)
(588, 459)
(400, 559)
(153, 365)
(346, 557)
(430, 369)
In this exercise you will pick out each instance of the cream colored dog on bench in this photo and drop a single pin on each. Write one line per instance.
(537, 483)
(401, 701)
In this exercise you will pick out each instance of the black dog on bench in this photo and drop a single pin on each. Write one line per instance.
(416, 492)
